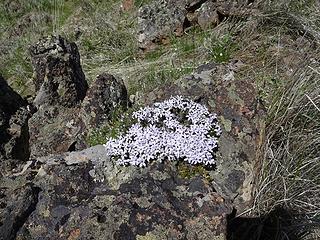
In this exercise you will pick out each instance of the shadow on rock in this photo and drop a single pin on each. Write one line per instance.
(279, 224)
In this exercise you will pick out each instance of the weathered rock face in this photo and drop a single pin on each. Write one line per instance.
(85, 195)
(158, 20)
(105, 95)
(17, 203)
(13, 127)
(59, 78)
(66, 110)
(161, 19)
(240, 117)
(55, 130)
(58, 129)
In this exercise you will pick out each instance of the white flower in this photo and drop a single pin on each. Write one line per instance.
(175, 129)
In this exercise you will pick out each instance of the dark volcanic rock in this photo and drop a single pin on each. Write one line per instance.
(242, 120)
(16, 205)
(13, 127)
(66, 111)
(86, 195)
(56, 130)
(59, 78)
(61, 86)
(105, 95)
(10, 101)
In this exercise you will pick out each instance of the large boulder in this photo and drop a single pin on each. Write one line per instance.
(86, 195)
(160, 20)
(242, 120)
(61, 86)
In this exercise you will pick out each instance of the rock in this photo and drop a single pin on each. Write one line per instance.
(207, 15)
(242, 121)
(10, 101)
(158, 20)
(16, 205)
(105, 95)
(18, 145)
(66, 111)
(59, 79)
(85, 195)
(14, 135)
(161, 19)
(56, 130)
(60, 129)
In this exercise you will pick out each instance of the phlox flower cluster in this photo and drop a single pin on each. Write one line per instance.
(175, 129)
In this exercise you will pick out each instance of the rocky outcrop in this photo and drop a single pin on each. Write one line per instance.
(105, 95)
(66, 108)
(59, 79)
(161, 19)
(14, 135)
(86, 195)
(240, 116)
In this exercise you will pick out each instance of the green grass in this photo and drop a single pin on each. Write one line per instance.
(139, 3)
(291, 162)
(221, 49)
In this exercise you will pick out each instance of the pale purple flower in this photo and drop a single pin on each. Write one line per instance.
(175, 129)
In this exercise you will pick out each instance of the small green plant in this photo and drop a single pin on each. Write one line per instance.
(184, 44)
(221, 49)
(159, 76)
(267, 85)
(188, 171)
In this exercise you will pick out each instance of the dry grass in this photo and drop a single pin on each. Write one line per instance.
(289, 176)
(290, 169)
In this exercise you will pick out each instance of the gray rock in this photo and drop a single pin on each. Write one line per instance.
(207, 15)
(55, 130)
(159, 20)
(66, 111)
